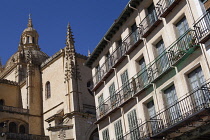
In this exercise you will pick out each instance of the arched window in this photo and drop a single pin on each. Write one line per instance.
(22, 129)
(1, 102)
(12, 127)
(47, 90)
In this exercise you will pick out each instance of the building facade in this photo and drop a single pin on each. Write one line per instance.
(44, 97)
(151, 70)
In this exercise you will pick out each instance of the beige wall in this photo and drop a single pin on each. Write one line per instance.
(10, 94)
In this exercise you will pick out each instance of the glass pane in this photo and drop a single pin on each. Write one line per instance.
(182, 26)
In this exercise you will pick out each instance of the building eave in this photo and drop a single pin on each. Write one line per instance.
(112, 30)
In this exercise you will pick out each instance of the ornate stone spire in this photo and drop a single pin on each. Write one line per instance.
(70, 54)
(30, 24)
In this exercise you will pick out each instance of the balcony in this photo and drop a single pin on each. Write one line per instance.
(149, 23)
(171, 56)
(17, 136)
(128, 44)
(192, 107)
(202, 27)
(166, 6)
(13, 109)
(189, 110)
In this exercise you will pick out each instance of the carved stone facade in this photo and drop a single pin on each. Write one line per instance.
(45, 96)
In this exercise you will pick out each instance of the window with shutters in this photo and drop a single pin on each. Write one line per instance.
(152, 116)
(125, 84)
(143, 75)
(98, 73)
(171, 99)
(133, 123)
(152, 14)
(113, 96)
(182, 26)
(135, 35)
(105, 134)
(101, 104)
(196, 79)
(118, 130)
(162, 61)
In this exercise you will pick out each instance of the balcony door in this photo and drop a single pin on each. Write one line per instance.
(182, 26)
(162, 58)
(173, 110)
(133, 123)
(113, 96)
(125, 84)
(196, 79)
(101, 105)
(152, 14)
(135, 34)
(152, 116)
(143, 76)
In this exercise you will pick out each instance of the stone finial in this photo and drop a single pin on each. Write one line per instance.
(30, 21)
(89, 54)
(69, 36)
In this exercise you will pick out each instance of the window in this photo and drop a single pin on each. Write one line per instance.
(113, 96)
(22, 129)
(196, 79)
(47, 90)
(121, 48)
(142, 77)
(118, 130)
(133, 123)
(125, 84)
(101, 104)
(12, 127)
(152, 116)
(105, 134)
(182, 26)
(108, 61)
(98, 73)
(134, 31)
(171, 101)
(1, 102)
(162, 61)
(152, 14)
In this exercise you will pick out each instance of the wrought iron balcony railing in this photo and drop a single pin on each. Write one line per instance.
(172, 55)
(150, 22)
(166, 6)
(185, 108)
(202, 27)
(179, 114)
(13, 109)
(128, 44)
(17, 136)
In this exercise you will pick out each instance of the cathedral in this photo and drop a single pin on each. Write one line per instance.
(44, 97)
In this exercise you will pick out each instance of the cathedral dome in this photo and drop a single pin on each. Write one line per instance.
(28, 49)
(37, 57)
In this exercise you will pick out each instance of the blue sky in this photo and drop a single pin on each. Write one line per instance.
(89, 19)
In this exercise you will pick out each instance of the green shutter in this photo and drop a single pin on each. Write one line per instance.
(105, 134)
(100, 103)
(118, 130)
(133, 123)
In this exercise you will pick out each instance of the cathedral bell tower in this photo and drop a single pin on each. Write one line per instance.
(29, 37)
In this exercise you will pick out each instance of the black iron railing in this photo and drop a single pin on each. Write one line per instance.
(141, 132)
(17, 136)
(184, 108)
(179, 50)
(127, 44)
(149, 21)
(202, 27)
(166, 6)
(13, 109)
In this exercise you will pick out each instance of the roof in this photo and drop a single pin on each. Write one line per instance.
(112, 30)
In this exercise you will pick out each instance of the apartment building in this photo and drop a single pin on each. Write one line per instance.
(151, 70)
